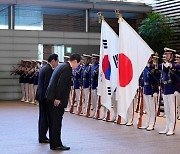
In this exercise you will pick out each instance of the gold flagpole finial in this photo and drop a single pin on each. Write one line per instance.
(101, 17)
(156, 54)
(118, 14)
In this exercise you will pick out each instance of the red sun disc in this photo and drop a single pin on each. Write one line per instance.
(125, 70)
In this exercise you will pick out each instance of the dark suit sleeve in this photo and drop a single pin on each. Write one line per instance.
(39, 93)
(47, 77)
(63, 86)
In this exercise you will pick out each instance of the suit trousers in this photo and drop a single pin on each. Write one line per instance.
(55, 116)
(43, 120)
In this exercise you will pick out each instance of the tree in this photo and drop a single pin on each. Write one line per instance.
(156, 31)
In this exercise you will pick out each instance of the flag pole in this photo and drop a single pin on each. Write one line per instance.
(107, 114)
(99, 105)
(101, 17)
(119, 15)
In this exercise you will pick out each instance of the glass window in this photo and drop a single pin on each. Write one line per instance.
(59, 50)
(112, 20)
(3, 16)
(95, 26)
(28, 18)
(63, 19)
(40, 51)
(50, 19)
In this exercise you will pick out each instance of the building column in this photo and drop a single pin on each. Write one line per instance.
(87, 20)
(11, 16)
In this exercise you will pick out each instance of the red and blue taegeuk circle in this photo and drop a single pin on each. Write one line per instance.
(106, 67)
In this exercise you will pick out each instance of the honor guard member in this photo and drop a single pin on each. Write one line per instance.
(36, 75)
(66, 58)
(44, 62)
(161, 85)
(26, 79)
(156, 74)
(31, 82)
(140, 91)
(21, 79)
(20, 72)
(168, 90)
(94, 82)
(177, 78)
(85, 78)
(77, 84)
(38, 67)
(148, 95)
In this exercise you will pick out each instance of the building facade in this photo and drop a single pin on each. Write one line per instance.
(34, 29)
(171, 8)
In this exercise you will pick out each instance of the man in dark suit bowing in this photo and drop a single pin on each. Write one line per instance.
(57, 95)
(43, 81)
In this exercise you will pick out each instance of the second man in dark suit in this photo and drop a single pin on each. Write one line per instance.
(57, 95)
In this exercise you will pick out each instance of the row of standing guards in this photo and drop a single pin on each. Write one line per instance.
(28, 72)
(157, 95)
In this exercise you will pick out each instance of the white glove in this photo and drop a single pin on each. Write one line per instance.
(166, 65)
(155, 95)
(176, 93)
(148, 65)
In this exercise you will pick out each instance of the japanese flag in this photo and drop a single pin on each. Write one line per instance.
(132, 59)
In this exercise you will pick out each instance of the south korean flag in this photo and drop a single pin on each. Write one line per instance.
(109, 48)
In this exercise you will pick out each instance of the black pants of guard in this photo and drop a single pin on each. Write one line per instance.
(43, 120)
(55, 116)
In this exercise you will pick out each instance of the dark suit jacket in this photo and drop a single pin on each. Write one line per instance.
(60, 84)
(43, 81)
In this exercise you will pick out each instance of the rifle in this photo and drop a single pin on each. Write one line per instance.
(89, 105)
(98, 108)
(160, 93)
(141, 111)
(14, 71)
(73, 101)
(36, 71)
(81, 102)
(159, 101)
(119, 119)
(108, 115)
(139, 97)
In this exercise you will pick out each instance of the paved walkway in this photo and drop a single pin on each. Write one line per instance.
(18, 134)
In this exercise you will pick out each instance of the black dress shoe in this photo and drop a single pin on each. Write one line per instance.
(44, 141)
(61, 148)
